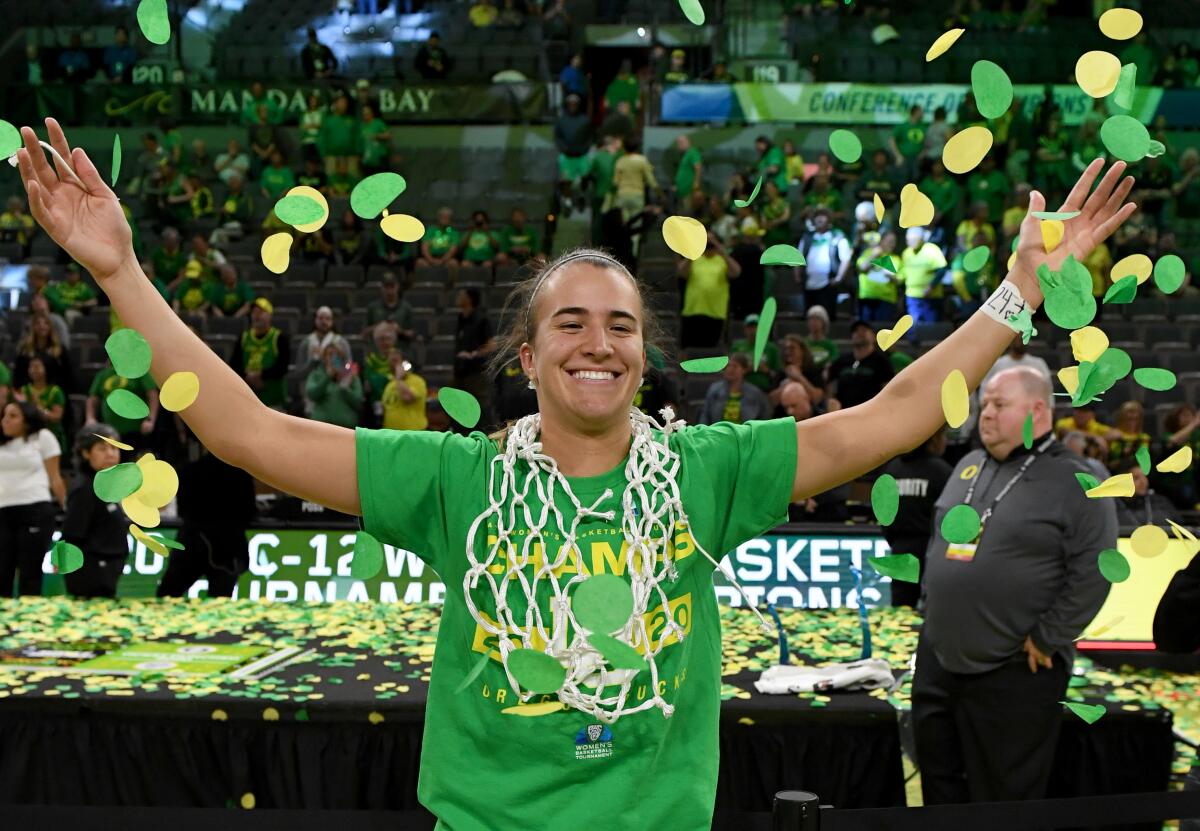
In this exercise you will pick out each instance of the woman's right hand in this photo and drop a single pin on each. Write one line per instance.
(88, 224)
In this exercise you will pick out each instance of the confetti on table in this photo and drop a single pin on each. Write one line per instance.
(685, 235)
(374, 193)
(956, 401)
(887, 337)
(943, 43)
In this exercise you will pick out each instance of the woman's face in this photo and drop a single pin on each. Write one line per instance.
(13, 422)
(37, 371)
(587, 318)
(101, 456)
(41, 327)
(792, 352)
(1129, 420)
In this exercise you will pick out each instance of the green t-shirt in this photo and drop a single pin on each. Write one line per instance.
(685, 174)
(824, 351)
(478, 247)
(277, 181)
(622, 89)
(167, 265)
(106, 381)
(260, 354)
(70, 295)
(340, 136)
(422, 490)
(944, 194)
(707, 291)
(875, 282)
(604, 165)
(227, 299)
(51, 396)
(401, 313)
(191, 294)
(511, 238)
(770, 354)
(774, 158)
(377, 372)
(910, 138)
(374, 151)
(5, 375)
(991, 188)
(441, 240)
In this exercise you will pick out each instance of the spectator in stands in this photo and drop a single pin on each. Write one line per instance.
(988, 185)
(323, 336)
(1052, 160)
(90, 524)
(352, 241)
(401, 256)
(190, 296)
(769, 365)
(632, 176)
(859, 375)
(314, 246)
(620, 122)
(262, 356)
(945, 194)
(771, 164)
(1140, 52)
(207, 256)
(877, 285)
(511, 395)
(33, 73)
(74, 65)
(333, 392)
(518, 240)
(920, 476)
(706, 295)
(147, 166)
(1084, 446)
(480, 245)
(1083, 419)
(1017, 355)
(432, 62)
(624, 87)
(604, 164)
(341, 145)
(39, 304)
(391, 308)
(404, 397)
(822, 194)
(313, 176)
(473, 342)
(732, 399)
(907, 141)
(38, 279)
(29, 481)
(775, 216)
(1146, 506)
(49, 399)
(17, 226)
(800, 368)
(572, 79)
(263, 140)
(920, 265)
(794, 165)
(316, 59)
(511, 16)
(1180, 68)
(119, 58)
(203, 206)
(1127, 435)
(677, 72)
(276, 178)
(1181, 428)
(236, 213)
(1186, 188)
(378, 370)
(41, 341)
(556, 22)
(376, 141)
(986, 726)
(689, 170)
(936, 135)
(134, 432)
(229, 296)
(258, 97)
(440, 245)
(174, 196)
(72, 298)
(233, 162)
(573, 138)
(824, 350)
(879, 178)
(483, 14)
(794, 401)
(975, 223)
(828, 259)
(311, 121)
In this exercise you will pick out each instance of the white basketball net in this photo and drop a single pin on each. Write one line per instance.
(651, 508)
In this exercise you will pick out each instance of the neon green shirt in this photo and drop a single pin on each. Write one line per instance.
(707, 291)
(422, 490)
(917, 268)
(441, 240)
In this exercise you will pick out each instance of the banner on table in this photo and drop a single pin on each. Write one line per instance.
(850, 103)
(190, 660)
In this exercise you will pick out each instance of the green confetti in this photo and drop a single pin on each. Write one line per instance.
(536, 671)
(1068, 292)
(782, 254)
(602, 603)
(1123, 290)
(127, 405)
(167, 543)
(976, 258)
(299, 210)
(368, 557)
(1087, 481)
(745, 203)
(117, 482)
(1121, 99)
(905, 567)
(1156, 149)
(960, 524)
(1169, 273)
(1091, 713)
(1097, 378)
(992, 87)
(374, 193)
(1143, 459)
(474, 673)
(703, 365)
(10, 139)
(1022, 323)
(620, 655)
(885, 499)
(1061, 216)
(1125, 137)
(766, 319)
(1027, 431)
(154, 22)
(656, 357)
(130, 353)
(1153, 378)
(886, 263)
(116, 160)
(845, 146)
(693, 11)
(459, 405)
(65, 557)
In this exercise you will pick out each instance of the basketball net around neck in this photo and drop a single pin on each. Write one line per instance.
(651, 511)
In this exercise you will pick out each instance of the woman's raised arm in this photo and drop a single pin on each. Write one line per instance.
(312, 460)
(840, 446)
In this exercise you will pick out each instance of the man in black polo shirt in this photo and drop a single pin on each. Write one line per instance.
(859, 375)
(1002, 612)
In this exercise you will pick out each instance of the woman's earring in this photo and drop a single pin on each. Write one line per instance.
(532, 384)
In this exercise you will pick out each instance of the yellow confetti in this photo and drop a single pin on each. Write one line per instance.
(1095, 633)
(1119, 485)
(113, 442)
(686, 236)
(1052, 233)
(270, 714)
(1120, 24)
(248, 801)
(887, 337)
(749, 722)
(1097, 72)
(530, 710)
(1184, 535)
(1068, 376)
(916, 208)
(402, 227)
(1149, 541)
(276, 252)
(1087, 343)
(160, 482)
(956, 402)
(319, 198)
(943, 43)
(878, 208)
(220, 715)
(966, 149)
(179, 391)
(375, 718)
(139, 512)
(148, 541)
(1177, 462)
(1138, 264)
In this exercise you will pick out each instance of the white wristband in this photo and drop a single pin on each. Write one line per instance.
(1006, 302)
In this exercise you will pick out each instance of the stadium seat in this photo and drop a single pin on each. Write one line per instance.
(351, 274)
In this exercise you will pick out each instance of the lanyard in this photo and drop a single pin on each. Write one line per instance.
(1025, 465)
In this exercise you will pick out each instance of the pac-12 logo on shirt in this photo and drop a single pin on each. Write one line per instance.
(593, 741)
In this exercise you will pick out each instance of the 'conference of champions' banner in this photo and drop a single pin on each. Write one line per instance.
(850, 103)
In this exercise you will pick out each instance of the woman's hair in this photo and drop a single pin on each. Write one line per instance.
(806, 361)
(1131, 408)
(33, 420)
(30, 348)
(88, 437)
(1175, 419)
